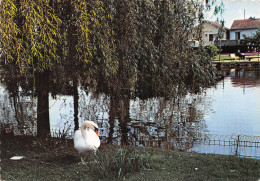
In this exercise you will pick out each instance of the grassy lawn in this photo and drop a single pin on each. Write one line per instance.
(223, 57)
(58, 160)
(227, 58)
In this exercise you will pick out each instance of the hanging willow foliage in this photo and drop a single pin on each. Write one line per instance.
(33, 33)
(139, 47)
(152, 48)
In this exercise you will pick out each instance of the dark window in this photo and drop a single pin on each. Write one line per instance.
(227, 35)
(210, 37)
(237, 35)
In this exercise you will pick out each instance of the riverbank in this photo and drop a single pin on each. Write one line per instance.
(57, 160)
(234, 64)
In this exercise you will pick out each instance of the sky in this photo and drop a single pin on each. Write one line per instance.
(234, 10)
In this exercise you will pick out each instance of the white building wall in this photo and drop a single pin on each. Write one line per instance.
(247, 33)
(210, 29)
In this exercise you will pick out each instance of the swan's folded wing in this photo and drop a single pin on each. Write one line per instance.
(93, 140)
(79, 142)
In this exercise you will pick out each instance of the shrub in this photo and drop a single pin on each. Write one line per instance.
(212, 50)
(116, 164)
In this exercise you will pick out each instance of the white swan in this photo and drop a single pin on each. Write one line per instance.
(87, 138)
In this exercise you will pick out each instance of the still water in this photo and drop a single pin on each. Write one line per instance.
(235, 104)
(232, 107)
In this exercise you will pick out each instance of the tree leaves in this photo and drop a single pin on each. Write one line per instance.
(34, 32)
(126, 45)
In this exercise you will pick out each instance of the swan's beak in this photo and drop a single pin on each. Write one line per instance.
(97, 132)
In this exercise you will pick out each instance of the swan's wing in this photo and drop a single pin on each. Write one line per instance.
(79, 141)
(92, 140)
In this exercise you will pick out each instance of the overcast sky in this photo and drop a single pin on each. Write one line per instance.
(234, 10)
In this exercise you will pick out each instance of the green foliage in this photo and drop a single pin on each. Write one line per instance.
(37, 34)
(119, 163)
(253, 40)
(29, 33)
(218, 8)
(130, 48)
(212, 50)
(152, 50)
(93, 31)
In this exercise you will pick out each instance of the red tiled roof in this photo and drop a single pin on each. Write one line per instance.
(215, 23)
(250, 23)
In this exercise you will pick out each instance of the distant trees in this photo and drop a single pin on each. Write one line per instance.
(253, 40)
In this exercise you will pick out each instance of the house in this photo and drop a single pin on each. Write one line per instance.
(210, 32)
(244, 28)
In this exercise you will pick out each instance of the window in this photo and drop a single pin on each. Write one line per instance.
(237, 35)
(227, 35)
(210, 37)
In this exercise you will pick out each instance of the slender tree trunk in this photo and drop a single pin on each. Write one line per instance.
(43, 120)
(124, 118)
(16, 109)
(76, 103)
(112, 117)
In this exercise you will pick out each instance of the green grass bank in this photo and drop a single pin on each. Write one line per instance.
(57, 160)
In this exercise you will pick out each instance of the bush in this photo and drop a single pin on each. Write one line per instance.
(212, 50)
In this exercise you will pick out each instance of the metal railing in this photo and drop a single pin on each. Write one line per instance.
(239, 145)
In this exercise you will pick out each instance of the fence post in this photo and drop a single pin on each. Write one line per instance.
(237, 145)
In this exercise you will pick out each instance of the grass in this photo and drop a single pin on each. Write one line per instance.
(223, 57)
(227, 58)
(118, 163)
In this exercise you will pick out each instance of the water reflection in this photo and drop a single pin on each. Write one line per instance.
(243, 77)
(152, 122)
(17, 113)
(170, 124)
(235, 103)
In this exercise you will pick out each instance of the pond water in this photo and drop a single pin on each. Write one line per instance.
(232, 107)
(235, 104)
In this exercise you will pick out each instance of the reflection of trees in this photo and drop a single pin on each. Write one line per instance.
(154, 122)
(17, 111)
(246, 77)
(24, 89)
(167, 124)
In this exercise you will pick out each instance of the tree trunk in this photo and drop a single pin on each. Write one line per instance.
(124, 118)
(43, 119)
(112, 117)
(76, 104)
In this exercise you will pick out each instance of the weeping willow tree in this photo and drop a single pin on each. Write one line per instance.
(29, 38)
(153, 53)
(44, 36)
(152, 49)
(130, 48)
